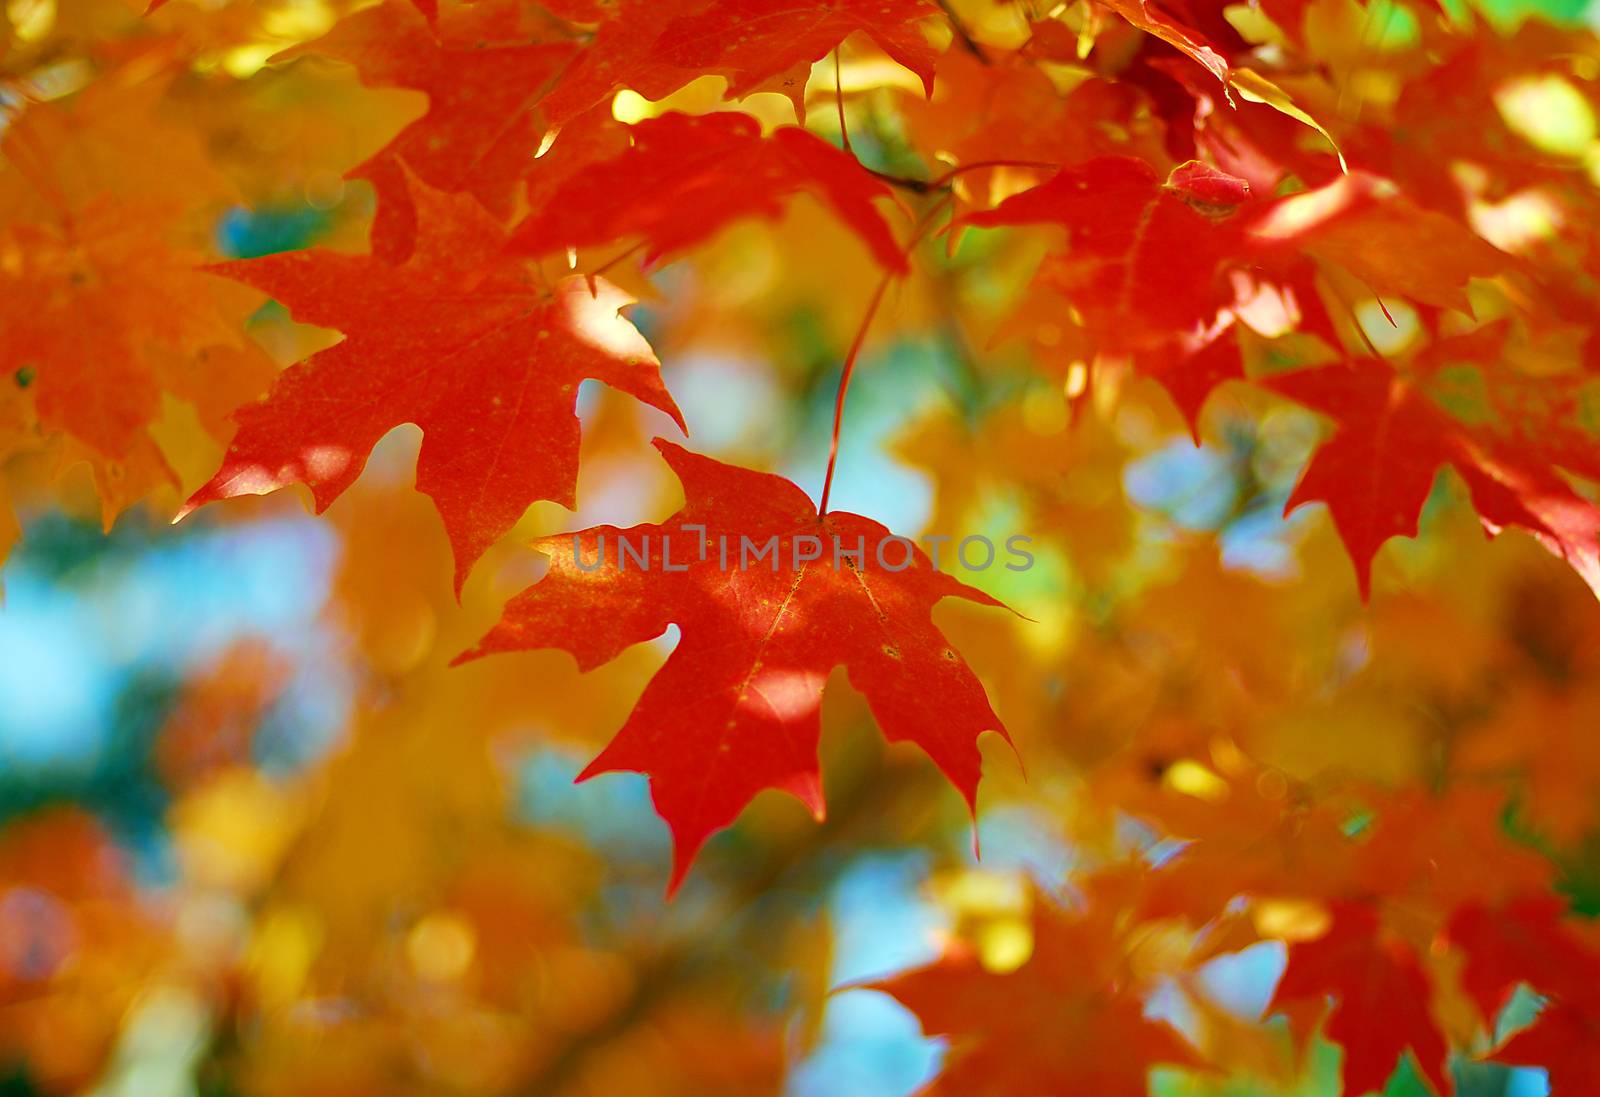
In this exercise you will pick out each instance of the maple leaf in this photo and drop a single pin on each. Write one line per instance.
(86, 378)
(1152, 20)
(617, 57)
(457, 340)
(1411, 851)
(1065, 1022)
(755, 41)
(429, 9)
(1425, 136)
(1524, 404)
(1565, 1041)
(1249, 844)
(1005, 108)
(1145, 264)
(102, 337)
(1365, 225)
(1142, 248)
(687, 176)
(1210, 731)
(1380, 994)
(480, 133)
(1526, 940)
(1535, 736)
(1160, 271)
(1191, 368)
(102, 313)
(593, 137)
(1523, 940)
(1266, 146)
(1377, 469)
(656, 47)
(98, 286)
(736, 708)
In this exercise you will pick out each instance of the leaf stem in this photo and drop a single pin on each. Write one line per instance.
(917, 235)
(918, 186)
(939, 182)
(979, 165)
(613, 261)
(838, 99)
(844, 385)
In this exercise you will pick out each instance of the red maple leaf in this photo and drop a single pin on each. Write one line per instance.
(757, 42)
(1380, 999)
(656, 47)
(1377, 469)
(1365, 225)
(687, 176)
(736, 707)
(1565, 1041)
(457, 340)
(617, 57)
(1067, 1021)
(480, 134)
(1152, 20)
(1144, 252)
(1146, 264)
(1526, 941)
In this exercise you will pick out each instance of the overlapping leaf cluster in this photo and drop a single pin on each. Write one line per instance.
(1345, 246)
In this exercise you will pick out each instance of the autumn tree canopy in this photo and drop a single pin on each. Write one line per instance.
(1128, 470)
